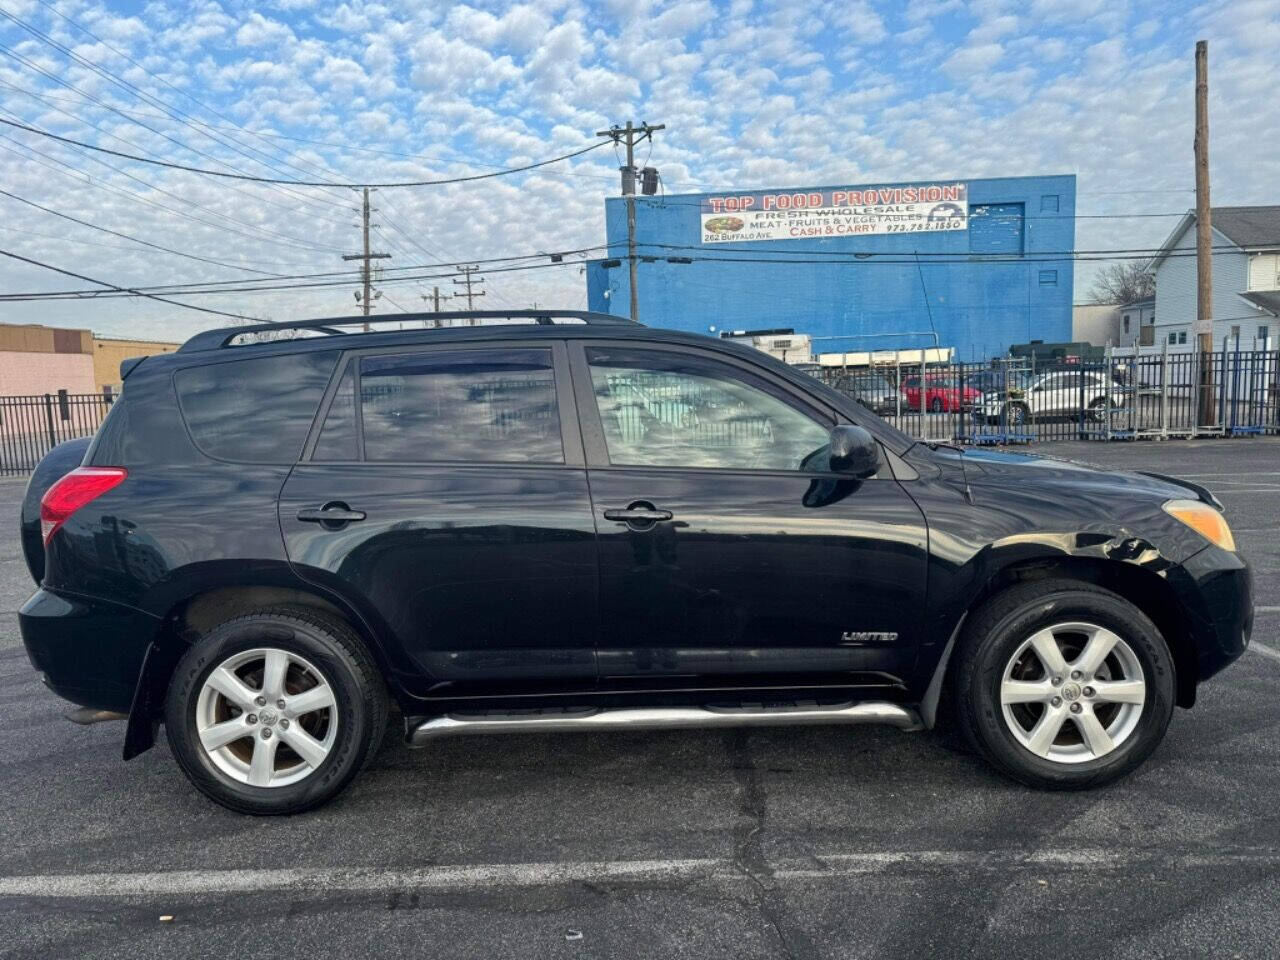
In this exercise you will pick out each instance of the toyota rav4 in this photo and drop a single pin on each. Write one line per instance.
(546, 522)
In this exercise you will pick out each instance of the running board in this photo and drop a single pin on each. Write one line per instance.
(661, 718)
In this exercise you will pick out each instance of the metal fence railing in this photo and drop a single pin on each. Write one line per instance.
(31, 426)
(1120, 396)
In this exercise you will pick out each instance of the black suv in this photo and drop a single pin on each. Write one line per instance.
(557, 522)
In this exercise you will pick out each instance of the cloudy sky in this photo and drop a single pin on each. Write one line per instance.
(753, 94)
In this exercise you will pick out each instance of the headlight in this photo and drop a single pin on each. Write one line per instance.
(1204, 520)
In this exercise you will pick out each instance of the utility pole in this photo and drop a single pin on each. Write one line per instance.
(630, 135)
(1204, 238)
(366, 274)
(435, 297)
(468, 282)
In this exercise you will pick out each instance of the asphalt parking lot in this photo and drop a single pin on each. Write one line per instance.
(824, 842)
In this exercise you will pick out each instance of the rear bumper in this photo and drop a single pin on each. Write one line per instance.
(88, 651)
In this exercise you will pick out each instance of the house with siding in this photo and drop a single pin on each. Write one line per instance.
(1246, 280)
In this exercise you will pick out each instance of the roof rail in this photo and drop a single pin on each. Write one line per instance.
(223, 336)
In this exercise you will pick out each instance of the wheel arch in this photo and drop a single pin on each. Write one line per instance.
(194, 613)
(1149, 591)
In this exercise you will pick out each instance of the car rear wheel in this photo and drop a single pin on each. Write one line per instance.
(276, 711)
(1102, 410)
(1063, 684)
(936, 405)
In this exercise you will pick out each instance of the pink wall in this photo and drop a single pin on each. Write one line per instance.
(24, 374)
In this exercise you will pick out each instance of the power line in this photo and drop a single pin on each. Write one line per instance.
(112, 286)
(267, 286)
(190, 120)
(296, 183)
(557, 259)
(346, 147)
(431, 253)
(173, 113)
(267, 235)
(97, 101)
(125, 236)
(343, 277)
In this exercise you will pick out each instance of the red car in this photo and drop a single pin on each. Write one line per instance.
(941, 394)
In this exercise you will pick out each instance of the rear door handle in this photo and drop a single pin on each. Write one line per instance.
(636, 514)
(334, 514)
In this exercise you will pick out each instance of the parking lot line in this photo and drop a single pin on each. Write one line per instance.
(1263, 649)
(322, 880)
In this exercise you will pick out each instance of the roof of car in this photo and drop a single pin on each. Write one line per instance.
(432, 323)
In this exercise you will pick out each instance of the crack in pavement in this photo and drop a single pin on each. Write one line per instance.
(748, 852)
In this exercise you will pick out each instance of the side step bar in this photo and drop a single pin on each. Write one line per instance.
(662, 718)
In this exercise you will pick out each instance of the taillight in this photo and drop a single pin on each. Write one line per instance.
(73, 491)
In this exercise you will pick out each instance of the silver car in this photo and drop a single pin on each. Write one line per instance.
(1055, 395)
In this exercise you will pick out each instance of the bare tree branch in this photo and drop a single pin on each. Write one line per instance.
(1123, 283)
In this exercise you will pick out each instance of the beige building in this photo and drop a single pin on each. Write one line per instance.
(35, 360)
(108, 354)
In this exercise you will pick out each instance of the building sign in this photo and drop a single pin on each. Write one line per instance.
(834, 212)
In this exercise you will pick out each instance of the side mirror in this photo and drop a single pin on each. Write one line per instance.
(853, 450)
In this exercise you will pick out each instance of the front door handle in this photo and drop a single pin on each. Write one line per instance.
(333, 515)
(638, 513)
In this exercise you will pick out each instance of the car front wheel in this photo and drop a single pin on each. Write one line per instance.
(275, 712)
(1063, 684)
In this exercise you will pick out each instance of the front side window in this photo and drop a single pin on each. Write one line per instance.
(483, 406)
(675, 410)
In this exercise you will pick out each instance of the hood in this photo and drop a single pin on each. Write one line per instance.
(1054, 471)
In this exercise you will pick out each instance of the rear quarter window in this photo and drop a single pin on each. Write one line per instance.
(256, 410)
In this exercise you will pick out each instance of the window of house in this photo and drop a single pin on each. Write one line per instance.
(1173, 338)
(1264, 333)
(1182, 336)
(1126, 323)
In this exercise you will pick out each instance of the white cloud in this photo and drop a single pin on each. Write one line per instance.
(258, 31)
(970, 62)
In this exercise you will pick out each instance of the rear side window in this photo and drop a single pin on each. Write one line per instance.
(338, 436)
(257, 410)
(477, 406)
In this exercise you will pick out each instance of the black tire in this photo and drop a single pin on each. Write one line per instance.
(1102, 409)
(1016, 414)
(936, 405)
(993, 635)
(336, 652)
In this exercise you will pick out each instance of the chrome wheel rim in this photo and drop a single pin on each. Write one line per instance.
(1073, 692)
(266, 717)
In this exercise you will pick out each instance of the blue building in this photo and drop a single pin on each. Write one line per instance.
(975, 265)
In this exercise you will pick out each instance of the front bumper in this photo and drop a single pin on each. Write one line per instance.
(88, 651)
(1220, 620)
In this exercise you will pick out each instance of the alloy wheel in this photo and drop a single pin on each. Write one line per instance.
(1073, 692)
(266, 717)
